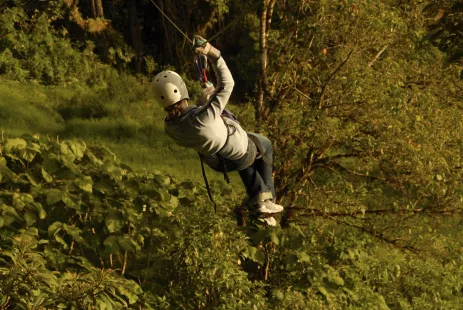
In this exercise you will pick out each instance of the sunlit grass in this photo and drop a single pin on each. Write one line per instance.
(132, 127)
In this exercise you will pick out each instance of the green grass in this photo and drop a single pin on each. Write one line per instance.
(126, 121)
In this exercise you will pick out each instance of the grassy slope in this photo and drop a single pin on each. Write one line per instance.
(132, 130)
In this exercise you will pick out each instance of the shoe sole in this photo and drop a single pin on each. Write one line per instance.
(270, 221)
(263, 209)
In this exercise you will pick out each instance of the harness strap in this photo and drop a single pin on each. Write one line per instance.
(207, 183)
(221, 159)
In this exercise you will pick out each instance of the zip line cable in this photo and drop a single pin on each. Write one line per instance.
(176, 27)
(233, 23)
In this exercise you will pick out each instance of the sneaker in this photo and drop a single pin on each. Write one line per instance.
(268, 206)
(270, 221)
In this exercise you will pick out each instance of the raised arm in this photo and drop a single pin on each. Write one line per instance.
(225, 83)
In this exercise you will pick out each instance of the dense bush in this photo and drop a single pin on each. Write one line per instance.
(33, 49)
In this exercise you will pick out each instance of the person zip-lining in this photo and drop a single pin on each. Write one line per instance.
(221, 141)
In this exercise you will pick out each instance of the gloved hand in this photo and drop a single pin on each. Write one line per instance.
(201, 46)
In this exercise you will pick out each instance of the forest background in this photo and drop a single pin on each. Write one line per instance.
(362, 100)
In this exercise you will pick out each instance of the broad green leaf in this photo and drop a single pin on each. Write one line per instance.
(324, 292)
(162, 181)
(111, 244)
(115, 172)
(68, 201)
(54, 228)
(12, 145)
(18, 203)
(130, 292)
(274, 238)
(255, 254)
(85, 183)
(127, 243)
(7, 210)
(66, 154)
(51, 164)
(47, 177)
(114, 221)
(74, 232)
(333, 278)
(78, 147)
(55, 195)
(33, 231)
(93, 158)
(171, 204)
(163, 213)
(27, 154)
(61, 241)
(32, 179)
(30, 217)
(303, 257)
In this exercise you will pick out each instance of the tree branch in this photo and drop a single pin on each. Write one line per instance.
(317, 212)
(377, 56)
(379, 236)
(5, 34)
(322, 93)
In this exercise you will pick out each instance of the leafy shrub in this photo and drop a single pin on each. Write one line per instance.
(89, 212)
(40, 53)
(27, 282)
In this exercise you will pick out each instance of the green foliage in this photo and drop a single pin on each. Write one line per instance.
(365, 116)
(90, 213)
(34, 50)
(445, 27)
(364, 121)
(27, 283)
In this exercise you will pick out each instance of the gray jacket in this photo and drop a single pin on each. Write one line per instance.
(203, 129)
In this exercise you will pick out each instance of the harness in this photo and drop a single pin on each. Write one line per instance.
(221, 163)
(201, 65)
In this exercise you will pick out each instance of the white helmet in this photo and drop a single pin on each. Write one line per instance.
(169, 88)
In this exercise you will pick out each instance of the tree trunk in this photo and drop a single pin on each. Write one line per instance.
(265, 23)
(99, 8)
(92, 3)
(135, 33)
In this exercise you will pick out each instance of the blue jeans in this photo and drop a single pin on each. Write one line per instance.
(258, 178)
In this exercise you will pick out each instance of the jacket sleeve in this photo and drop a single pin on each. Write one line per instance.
(213, 109)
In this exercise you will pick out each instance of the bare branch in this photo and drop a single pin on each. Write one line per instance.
(378, 235)
(317, 212)
(322, 93)
(377, 56)
(307, 96)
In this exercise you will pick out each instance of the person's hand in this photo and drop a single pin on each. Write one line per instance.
(201, 46)
(206, 92)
